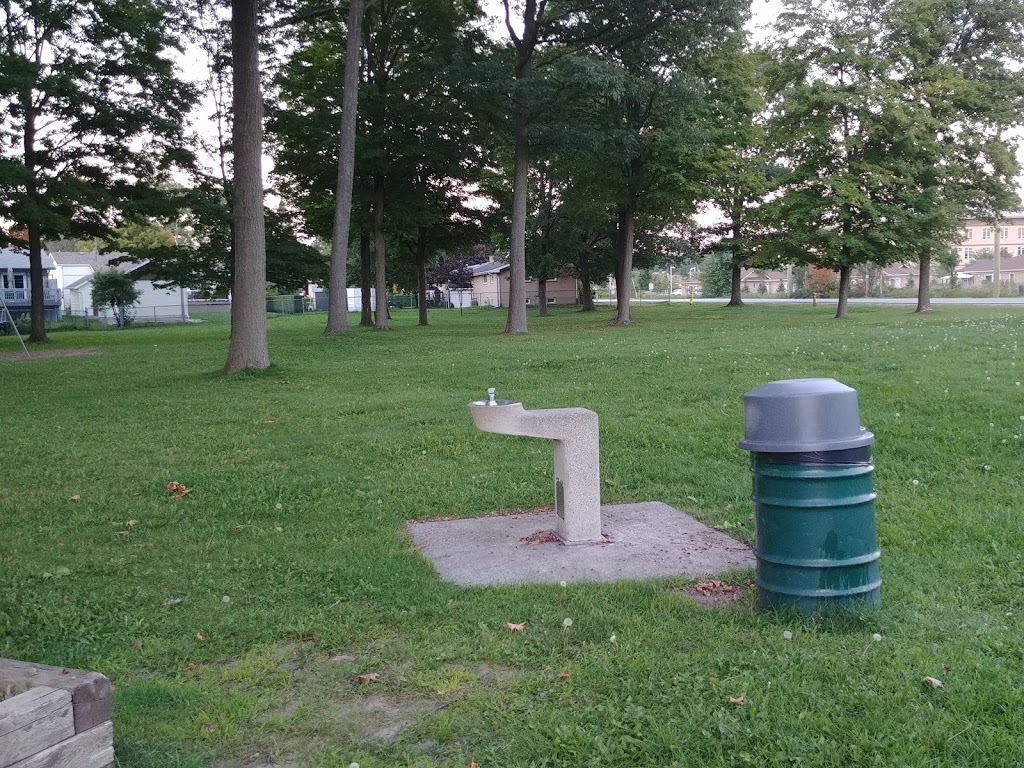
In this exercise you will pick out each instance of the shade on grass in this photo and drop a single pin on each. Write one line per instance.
(289, 555)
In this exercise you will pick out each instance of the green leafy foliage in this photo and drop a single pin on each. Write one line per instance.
(117, 290)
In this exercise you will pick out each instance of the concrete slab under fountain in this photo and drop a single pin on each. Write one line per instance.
(645, 540)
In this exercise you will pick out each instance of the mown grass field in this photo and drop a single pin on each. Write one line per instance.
(234, 622)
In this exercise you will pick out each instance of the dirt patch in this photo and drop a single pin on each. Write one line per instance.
(716, 592)
(490, 673)
(382, 717)
(37, 354)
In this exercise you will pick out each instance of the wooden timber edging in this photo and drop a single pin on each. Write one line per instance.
(61, 721)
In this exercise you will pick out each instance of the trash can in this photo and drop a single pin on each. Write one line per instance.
(814, 500)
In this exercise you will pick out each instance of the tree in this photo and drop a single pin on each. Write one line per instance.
(956, 64)
(93, 115)
(248, 347)
(642, 115)
(716, 274)
(115, 289)
(337, 308)
(836, 207)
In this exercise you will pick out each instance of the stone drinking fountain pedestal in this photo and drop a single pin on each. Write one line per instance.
(580, 540)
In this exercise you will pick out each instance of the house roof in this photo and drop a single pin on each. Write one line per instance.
(762, 274)
(17, 258)
(1006, 263)
(85, 258)
(127, 267)
(487, 268)
(901, 269)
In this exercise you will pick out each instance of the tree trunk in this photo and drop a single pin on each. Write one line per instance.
(997, 253)
(736, 294)
(586, 287)
(337, 306)
(35, 239)
(248, 348)
(542, 297)
(623, 263)
(517, 246)
(365, 282)
(421, 279)
(924, 300)
(378, 242)
(844, 290)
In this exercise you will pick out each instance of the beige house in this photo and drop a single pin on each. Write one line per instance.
(902, 275)
(764, 281)
(981, 272)
(490, 283)
(978, 236)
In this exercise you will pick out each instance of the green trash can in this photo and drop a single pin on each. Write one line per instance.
(814, 499)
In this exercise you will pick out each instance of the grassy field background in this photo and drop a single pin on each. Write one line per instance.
(234, 622)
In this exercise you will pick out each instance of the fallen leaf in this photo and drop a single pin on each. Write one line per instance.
(200, 637)
(173, 601)
(137, 645)
(137, 494)
(515, 627)
(130, 523)
(472, 763)
(190, 666)
(268, 421)
(933, 682)
(122, 533)
(563, 675)
(76, 497)
(737, 701)
(210, 727)
(177, 489)
(368, 677)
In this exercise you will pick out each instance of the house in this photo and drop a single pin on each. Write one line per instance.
(981, 272)
(979, 235)
(75, 271)
(16, 283)
(901, 275)
(490, 284)
(764, 281)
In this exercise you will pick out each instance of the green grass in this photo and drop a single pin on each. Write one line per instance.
(290, 555)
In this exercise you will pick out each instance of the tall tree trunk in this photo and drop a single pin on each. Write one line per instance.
(997, 254)
(517, 245)
(248, 348)
(378, 242)
(736, 293)
(844, 290)
(542, 297)
(365, 281)
(924, 299)
(337, 306)
(35, 239)
(421, 278)
(623, 262)
(586, 287)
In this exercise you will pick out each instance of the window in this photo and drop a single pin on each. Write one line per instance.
(968, 234)
(1020, 233)
(986, 234)
(3, 276)
(1004, 232)
(1020, 250)
(19, 281)
(968, 252)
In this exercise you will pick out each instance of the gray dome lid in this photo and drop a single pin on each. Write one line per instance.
(797, 415)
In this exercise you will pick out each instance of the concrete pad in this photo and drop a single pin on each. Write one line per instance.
(645, 540)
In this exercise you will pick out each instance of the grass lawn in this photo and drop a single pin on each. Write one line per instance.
(234, 621)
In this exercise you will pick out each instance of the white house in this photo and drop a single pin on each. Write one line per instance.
(75, 272)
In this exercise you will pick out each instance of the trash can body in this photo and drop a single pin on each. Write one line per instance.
(814, 499)
(815, 536)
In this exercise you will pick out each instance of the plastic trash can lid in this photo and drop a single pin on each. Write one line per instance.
(797, 415)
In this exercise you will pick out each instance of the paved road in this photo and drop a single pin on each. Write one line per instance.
(1011, 301)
